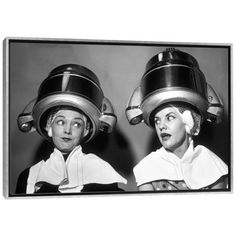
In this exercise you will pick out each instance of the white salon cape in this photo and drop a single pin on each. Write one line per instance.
(78, 170)
(199, 167)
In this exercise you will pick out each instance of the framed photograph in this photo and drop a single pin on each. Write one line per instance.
(116, 117)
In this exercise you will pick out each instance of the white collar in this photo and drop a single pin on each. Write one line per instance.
(188, 156)
(199, 167)
(78, 170)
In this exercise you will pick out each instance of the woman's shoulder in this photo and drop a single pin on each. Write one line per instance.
(22, 181)
(23, 178)
(221, 183)
(203, 153)
(148, 160)
(99, 167)
(92, 156)
(94, 160)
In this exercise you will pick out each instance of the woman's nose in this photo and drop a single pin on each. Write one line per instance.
(162, 125)
(67, 128)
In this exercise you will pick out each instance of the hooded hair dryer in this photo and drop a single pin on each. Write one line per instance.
(75, 86)
(173, 76)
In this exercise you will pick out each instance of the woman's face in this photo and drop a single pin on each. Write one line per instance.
(171, 130)
(67, 129)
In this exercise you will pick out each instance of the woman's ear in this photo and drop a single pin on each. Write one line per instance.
(196, 131)
(187, 129)
(86, 129)
(50, 132)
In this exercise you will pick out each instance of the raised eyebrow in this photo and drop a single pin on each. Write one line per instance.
(60, 116)
(78, 118)
(169, 113)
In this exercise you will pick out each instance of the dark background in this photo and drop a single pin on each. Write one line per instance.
(119, 67)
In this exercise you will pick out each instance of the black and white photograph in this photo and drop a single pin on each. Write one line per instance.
(103, 117)
(117, 118)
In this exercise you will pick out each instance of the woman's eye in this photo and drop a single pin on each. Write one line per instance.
(77, 125)
(157, 121)
(60, 122)
(170, 118)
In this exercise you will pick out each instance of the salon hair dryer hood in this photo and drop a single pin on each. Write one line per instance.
(173, 76)
(70, 85)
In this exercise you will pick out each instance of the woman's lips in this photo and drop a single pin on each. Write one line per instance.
(66, 139)
(165, 136)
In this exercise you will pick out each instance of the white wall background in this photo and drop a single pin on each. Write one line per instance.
(175, 21)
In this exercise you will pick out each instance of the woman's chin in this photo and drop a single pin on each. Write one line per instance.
(65, 150)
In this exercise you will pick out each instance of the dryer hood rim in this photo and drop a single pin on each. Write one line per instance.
(75, 101)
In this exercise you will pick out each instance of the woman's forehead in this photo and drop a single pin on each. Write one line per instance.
(166, 110)
(67, 113)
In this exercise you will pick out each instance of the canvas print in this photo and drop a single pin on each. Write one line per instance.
(115, 117)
